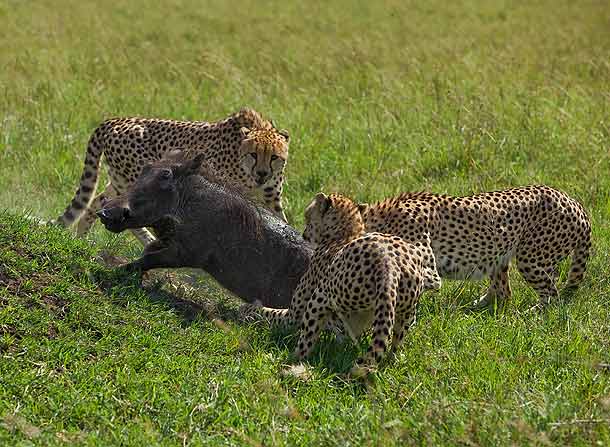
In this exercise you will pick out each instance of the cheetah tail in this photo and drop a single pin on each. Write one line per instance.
(580, 256)
(88, 182)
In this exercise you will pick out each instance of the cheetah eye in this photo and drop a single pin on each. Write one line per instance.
(253, 155)
(274, 157)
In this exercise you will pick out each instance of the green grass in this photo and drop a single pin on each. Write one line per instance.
(379, 97)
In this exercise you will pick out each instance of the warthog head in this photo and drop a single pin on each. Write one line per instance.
(154, 195)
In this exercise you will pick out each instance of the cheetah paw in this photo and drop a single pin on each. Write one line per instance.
(361, 371)
(491, 304)
(481, 304)
(537, 309)
(247, 311)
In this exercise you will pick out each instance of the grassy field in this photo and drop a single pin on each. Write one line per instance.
(379, 97)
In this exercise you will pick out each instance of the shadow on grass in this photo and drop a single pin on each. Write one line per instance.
(187, 296)
(333, 354)
(179, 291)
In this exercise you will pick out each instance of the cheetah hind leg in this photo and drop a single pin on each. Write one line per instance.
(497, 293)
(543, 281)
(406, 315)
(383, 326)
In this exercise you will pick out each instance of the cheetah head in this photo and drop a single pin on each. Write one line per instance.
(332, 218)
(263, 153)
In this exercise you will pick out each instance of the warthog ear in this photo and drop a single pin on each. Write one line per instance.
(322, 202)
(193, 166)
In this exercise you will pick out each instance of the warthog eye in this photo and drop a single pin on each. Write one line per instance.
(165, 174)
(253, 155)
(274, 157)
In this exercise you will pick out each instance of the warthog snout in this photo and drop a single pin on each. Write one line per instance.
(113, 216)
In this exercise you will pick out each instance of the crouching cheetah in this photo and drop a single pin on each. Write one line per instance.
(244, 149)
(476, 236)
(360, 278)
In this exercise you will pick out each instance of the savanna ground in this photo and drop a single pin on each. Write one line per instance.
(379, 97)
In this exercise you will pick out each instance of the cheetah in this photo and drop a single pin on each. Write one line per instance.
(363, 279)
(244, 148)
(476, 236)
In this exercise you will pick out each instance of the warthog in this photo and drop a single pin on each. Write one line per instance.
(203, 222)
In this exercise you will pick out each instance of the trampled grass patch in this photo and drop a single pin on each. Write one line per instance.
(379, 98)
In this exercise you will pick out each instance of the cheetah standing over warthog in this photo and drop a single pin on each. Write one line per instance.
(362, 278)
(245, 149)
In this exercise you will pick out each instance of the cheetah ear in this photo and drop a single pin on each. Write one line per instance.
(322, 202)
(363, 207)
(244, 131)
(285, 134)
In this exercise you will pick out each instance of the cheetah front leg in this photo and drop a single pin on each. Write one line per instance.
(280, 213)
(273, 200)
(84, 224)
(314, 319)
(497, 292)
(276, 208)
